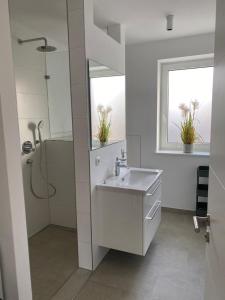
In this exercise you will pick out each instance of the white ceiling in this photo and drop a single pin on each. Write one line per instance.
(144, 20)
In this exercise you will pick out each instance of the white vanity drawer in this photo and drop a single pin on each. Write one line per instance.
(151, 196)
(151, 224)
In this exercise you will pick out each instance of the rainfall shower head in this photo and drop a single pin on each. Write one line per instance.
(44, 48)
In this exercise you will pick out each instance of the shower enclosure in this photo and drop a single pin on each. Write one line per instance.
(41, 61)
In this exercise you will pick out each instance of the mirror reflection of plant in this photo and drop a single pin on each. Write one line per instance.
(104, 123)
(187, 127)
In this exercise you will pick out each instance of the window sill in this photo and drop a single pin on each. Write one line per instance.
(180, 153)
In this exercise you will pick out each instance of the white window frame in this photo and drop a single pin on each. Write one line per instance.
(164, 66)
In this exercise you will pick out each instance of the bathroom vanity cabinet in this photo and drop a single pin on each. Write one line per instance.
(127, 219)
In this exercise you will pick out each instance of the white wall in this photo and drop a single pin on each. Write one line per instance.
(99, 172)
(59, 97)
(179, 179)
(13, 239)
(100, 46)
(60, 169)
(32, 104)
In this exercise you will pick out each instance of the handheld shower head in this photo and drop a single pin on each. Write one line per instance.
(39, 127)
(40, 124)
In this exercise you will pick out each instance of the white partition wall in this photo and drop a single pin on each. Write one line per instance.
(86, 41)
(99, 172)
(80, 118)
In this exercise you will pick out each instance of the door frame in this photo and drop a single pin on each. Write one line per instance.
(13, 230)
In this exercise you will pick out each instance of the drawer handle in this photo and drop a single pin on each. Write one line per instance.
(153, 192)
(153, 211)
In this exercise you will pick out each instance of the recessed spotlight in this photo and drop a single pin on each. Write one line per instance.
(170, 19)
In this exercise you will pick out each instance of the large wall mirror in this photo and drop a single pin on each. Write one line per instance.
(107, 105)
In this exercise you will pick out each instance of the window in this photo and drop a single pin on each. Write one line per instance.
(182, 81)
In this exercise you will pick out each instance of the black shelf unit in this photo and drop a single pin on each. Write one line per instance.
(202, 191)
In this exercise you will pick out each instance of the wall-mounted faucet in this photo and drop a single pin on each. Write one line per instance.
(117, 167)
(123, 155)
(120, 163)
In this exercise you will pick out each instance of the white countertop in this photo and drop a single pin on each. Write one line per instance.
(133, 179)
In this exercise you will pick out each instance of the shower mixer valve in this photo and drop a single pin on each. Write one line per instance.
(27, 147)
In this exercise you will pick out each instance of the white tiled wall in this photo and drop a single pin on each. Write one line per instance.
(107, 156)
(37, 210)
(78, 69)
(59, 97)
(31, 88)
(60, 169)
(36, 103)
(32, 104)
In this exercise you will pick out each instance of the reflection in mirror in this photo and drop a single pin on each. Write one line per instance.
(107, 102)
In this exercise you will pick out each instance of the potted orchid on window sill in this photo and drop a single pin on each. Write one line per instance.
(187, 126)
(104, 124)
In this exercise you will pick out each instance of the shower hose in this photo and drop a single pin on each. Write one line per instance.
(30, 163)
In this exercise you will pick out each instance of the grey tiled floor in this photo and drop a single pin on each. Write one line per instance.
(53, 258)
(173, 268)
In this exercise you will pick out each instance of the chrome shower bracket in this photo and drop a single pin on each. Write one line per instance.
(29, 161)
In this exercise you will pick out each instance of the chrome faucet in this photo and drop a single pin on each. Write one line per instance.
(117, 167)
(123, 155)
(120, 163)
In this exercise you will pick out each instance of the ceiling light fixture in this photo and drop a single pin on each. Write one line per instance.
(169, 19)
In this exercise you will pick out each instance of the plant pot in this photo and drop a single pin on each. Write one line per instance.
(103, 144)
(188, 148)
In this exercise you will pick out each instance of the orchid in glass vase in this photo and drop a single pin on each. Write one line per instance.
(104, 116)
(187, 126)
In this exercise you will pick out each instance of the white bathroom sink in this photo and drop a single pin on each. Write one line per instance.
(137, 179)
